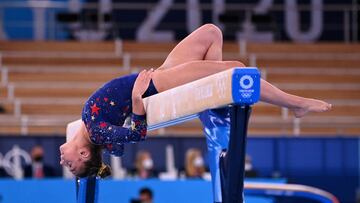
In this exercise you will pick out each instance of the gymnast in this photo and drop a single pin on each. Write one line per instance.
(104, 113)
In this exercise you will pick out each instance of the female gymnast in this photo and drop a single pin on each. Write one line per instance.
(104, 114)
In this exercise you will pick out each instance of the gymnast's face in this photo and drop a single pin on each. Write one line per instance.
(74, 153)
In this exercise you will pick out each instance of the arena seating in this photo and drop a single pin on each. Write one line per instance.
(44, 84)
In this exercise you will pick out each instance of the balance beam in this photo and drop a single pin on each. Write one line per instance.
(239, 87)
(234, 86)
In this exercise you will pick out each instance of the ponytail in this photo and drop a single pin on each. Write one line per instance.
(104, 171)
(94, 166)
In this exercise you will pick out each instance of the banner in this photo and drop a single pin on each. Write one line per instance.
(169, 20)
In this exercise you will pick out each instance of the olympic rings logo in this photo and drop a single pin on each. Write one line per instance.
(246, 82)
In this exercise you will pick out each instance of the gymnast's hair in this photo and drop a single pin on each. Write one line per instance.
(94, 166)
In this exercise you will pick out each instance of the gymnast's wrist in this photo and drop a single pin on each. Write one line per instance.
(136, 98)
(138, 106)
(138, 117)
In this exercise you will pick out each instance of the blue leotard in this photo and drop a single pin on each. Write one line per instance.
(106, 110)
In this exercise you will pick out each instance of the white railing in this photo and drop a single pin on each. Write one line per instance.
(4, 76)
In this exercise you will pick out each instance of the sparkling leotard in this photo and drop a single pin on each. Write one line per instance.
(106, 111)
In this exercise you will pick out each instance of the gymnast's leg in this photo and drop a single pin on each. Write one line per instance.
(204, 43)
(200, 55)
(207, 41)
(194, 70)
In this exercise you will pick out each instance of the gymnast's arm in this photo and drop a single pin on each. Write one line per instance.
(103, 132)
(141, 85)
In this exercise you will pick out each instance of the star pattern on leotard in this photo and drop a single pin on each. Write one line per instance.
(109, 147)
(143, 132)
(102, 124)
(94, 109)
(106, 111)
(137, 126)
(133, 126)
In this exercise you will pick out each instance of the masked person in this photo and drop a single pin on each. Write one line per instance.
(144, 165)
(38, 169)
(250, 171)
(194, 164)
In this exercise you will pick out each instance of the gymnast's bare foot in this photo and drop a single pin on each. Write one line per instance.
(311, 105)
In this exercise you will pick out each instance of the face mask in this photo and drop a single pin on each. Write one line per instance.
(198, 162)
(248, 167)
(148, 164)
(38, 158)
